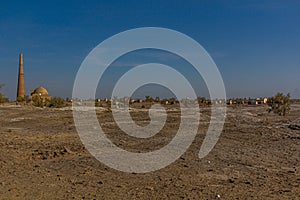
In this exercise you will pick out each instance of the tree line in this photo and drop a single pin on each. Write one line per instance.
(279, 104)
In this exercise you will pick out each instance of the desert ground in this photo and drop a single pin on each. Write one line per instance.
(256, 157)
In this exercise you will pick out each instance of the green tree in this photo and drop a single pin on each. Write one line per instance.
(149, 99)
(280, 104)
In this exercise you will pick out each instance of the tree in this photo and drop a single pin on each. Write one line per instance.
(280, 104)
(172, 100)
(157, 99)
(2, 98)
(201, 100)
(149, 99)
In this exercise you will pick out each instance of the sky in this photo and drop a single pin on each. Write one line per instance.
(255, 44)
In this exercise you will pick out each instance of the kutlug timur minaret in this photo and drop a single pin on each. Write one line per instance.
(21, 87)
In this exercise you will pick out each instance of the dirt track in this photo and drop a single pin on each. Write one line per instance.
(42, 157)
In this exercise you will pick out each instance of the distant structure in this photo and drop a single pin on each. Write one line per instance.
(256, 101)
(40, 92)
(21, 86)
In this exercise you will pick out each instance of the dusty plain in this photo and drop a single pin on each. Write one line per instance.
(256, 157)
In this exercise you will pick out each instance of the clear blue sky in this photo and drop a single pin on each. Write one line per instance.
(255, 44)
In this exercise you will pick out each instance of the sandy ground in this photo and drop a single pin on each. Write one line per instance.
(42, 157)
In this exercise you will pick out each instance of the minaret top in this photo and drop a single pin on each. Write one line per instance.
(21, 58)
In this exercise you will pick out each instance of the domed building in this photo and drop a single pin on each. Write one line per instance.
(40, 92)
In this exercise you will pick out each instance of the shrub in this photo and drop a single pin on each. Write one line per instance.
(57, 102)
(98, 104)
(38, 101)
(279, 104)
(149, 99)
(20, 99)
(3, 99)
(172, 100)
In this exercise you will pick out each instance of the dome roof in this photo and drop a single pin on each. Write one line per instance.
(41, 90)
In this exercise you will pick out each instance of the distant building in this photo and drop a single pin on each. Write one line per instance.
(164, 102)
(261, 101)
(230, 101)
(265, 100)
(256, 101)
(106, 100)
(131, 101)
(40, 92)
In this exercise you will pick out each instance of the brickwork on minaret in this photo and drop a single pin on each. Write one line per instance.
(21, 87)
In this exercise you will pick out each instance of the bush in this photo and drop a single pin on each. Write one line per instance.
(279, 104)
(20, 99)
(3, 99)
(98, 104)
(38, 101)
(57, 102)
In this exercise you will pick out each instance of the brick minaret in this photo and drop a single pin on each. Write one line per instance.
(21, 87)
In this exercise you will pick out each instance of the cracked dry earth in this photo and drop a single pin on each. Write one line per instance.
(256, 157)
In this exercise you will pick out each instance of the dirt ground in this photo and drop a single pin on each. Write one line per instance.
(42, 157)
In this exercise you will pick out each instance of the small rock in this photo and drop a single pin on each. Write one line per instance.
(79, 182)
(149, 188)
(230, 180)
(248, 182)
(100, 182)
(65, 149)
(286, 190)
